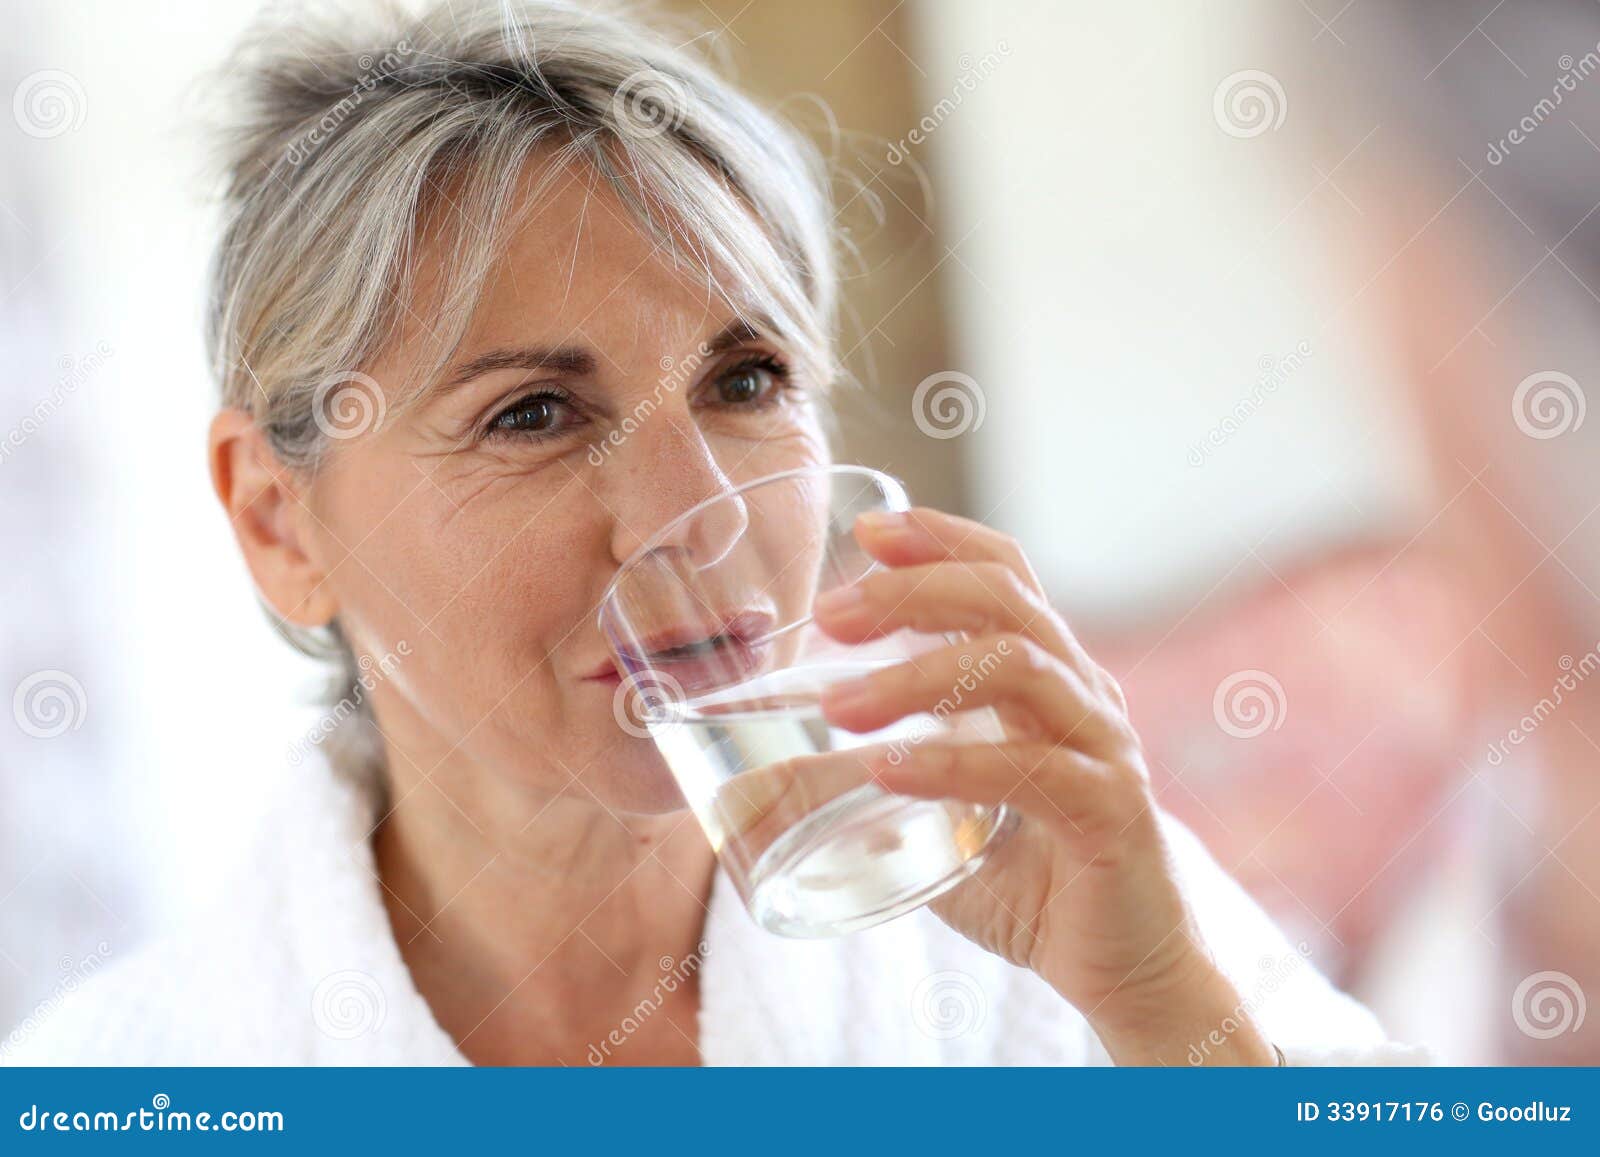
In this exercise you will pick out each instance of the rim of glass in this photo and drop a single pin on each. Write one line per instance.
(891, 485)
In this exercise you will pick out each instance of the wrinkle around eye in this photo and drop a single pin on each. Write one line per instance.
(486, 472)
(778, 420)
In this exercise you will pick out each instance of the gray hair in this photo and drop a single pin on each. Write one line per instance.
(348, 136)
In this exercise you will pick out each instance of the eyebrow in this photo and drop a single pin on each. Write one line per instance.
(573, 360)
(578, 361)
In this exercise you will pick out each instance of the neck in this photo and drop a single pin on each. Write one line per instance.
(532, 922)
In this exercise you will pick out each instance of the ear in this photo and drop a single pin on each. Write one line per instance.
(269, 521)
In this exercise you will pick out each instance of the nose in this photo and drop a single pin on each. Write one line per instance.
(672, 470)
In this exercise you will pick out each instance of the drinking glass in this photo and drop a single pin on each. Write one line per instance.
(710, 626)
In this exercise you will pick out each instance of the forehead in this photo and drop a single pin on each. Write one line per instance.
(575, 266)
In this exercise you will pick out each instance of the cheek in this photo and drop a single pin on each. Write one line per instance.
(797, 443)
(509, 577)
(480, 591)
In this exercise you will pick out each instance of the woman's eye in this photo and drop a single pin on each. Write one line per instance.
(742, 386)
(751, 384)
(538, 414)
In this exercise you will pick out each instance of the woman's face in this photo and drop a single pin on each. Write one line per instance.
(482, 525)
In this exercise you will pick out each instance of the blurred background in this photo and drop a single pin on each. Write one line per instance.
(1268, 328)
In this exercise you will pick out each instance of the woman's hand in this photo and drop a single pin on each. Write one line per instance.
(1083, 892)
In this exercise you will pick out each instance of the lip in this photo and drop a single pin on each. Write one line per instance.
(675, 643)
(717, 650)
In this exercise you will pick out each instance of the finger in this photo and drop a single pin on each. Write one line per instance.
(1005, 671)
(1055, 785)
(975, 597)
(923, 535)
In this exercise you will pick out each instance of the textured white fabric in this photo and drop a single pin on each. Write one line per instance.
(299, 966)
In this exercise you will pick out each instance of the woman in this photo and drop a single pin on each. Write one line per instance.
(503, 289)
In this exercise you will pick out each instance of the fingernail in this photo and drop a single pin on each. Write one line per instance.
(895, 523)
(841, 601)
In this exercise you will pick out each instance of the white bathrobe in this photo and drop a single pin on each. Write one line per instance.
(298, 966)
